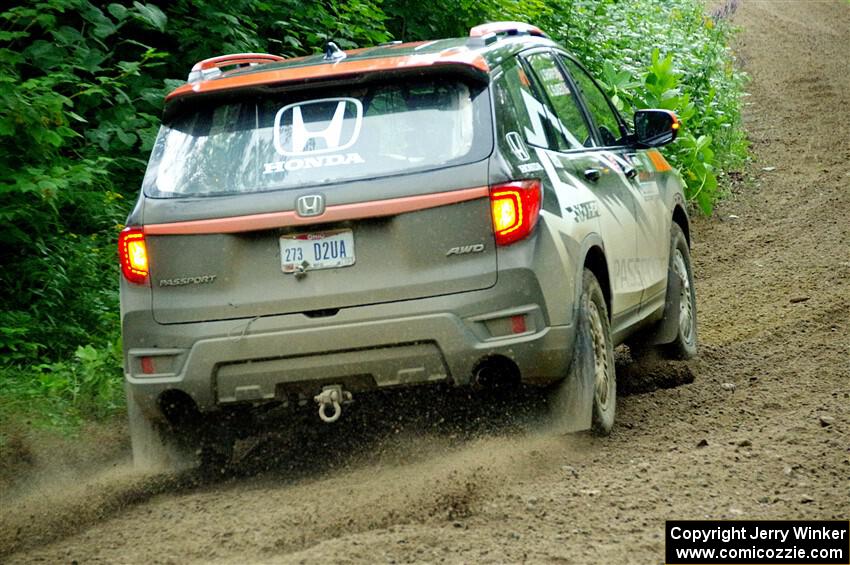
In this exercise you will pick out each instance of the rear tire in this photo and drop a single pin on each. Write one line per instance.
(587, 397)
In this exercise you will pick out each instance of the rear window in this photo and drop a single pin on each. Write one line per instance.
(299, 139)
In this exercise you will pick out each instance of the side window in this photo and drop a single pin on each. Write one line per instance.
(522, 121)
(508, 118)
(606, 120)
(569, 117)
(518, 107)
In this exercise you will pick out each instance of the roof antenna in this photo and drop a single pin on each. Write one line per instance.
(333, 52)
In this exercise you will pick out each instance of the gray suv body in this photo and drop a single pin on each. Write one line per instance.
(453, 211)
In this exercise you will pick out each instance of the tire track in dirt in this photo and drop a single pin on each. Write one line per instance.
(769, 404)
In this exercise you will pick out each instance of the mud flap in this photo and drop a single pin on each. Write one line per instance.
(668, 327)
(152, 450)
(571, 404)
(162, 446)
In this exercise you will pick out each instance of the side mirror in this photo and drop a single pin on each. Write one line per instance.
(654, 128)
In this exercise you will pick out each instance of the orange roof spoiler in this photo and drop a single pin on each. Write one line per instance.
(329, 70)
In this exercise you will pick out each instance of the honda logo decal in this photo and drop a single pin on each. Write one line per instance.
(517, 146)
(310, 205)
(317, 126)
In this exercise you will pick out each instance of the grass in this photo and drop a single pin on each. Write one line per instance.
(62, 396)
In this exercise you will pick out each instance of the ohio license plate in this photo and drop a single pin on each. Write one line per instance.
(316, 250)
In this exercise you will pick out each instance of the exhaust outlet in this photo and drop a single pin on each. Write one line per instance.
(496, 372)
(178, 408)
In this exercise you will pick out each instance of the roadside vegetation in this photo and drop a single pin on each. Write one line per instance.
(81, 90)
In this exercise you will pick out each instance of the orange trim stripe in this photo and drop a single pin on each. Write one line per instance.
(340, 212)
(658, 160)
(328, 70)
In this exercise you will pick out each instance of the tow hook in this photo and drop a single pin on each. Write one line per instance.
(334, 397)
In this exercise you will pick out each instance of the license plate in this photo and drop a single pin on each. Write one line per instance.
(317, 250)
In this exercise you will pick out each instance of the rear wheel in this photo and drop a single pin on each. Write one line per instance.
(587, 397)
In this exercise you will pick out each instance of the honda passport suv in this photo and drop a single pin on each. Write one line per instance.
(456, 211)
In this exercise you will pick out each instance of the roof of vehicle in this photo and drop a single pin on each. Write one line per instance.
(476, 54)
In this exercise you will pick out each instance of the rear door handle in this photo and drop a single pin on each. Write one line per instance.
(592, 174)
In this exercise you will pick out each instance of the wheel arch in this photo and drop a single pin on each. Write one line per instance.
(680, 217)
(596, 263)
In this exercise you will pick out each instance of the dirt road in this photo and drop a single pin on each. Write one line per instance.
(763, 431)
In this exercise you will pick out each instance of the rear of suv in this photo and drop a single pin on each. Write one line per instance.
(455, 211)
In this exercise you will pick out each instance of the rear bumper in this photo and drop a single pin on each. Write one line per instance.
(438, 339)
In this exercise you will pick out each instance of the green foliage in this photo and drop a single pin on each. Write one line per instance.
(73, 115)
(81, 90)
(651, 54)
(287, 27)
(63, 393)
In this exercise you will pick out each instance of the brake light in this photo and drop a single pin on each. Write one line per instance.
(515, 207)
(133, 254)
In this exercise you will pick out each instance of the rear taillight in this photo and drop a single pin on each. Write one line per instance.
(133, 254)
(515, 207)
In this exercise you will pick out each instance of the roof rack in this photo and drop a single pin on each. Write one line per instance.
(505, 28)
(211, 67)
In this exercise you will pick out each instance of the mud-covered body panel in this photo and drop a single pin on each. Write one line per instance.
(457, 326)
(249, 280)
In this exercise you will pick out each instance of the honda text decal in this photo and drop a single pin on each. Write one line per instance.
(314, 133)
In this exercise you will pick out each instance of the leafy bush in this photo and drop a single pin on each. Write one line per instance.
(81, 90)
(670, 55)
(63, 393)
(73, 115)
